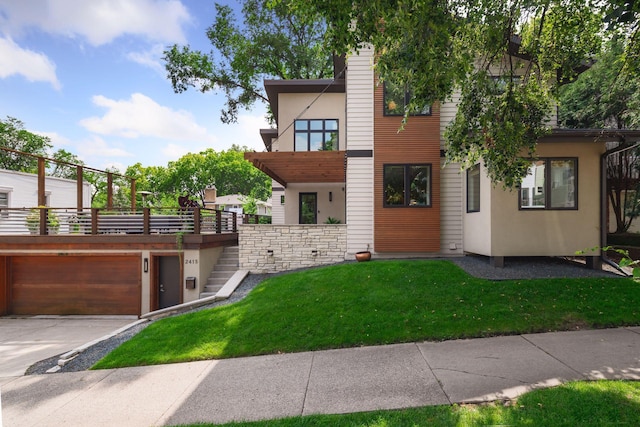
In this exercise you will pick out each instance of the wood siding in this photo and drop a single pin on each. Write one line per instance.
(406, 229)
(81, 284)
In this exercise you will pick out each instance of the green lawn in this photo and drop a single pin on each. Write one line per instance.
(602, 403)
(379, 302)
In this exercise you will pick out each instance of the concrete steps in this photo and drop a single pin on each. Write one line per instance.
(226, 267)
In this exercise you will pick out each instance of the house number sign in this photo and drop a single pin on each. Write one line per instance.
(190, 260)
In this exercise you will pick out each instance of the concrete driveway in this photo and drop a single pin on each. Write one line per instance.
(27, 340)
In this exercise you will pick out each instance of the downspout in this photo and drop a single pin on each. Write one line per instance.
(604, 202)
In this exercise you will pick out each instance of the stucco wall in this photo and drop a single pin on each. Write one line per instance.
(327, 106)
(291, 246)
(551, 232)
(477, 225)
(334, 208)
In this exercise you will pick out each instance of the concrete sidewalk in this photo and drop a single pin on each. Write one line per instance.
(334, 381)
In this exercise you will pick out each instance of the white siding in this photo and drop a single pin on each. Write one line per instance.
(359, 204)
(360, 88)
(23, 190)
(277, 209)
(451, 209)
(451, 194)
(359, 184)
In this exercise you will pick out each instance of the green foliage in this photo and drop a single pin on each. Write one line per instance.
(14, 136)
(602, 97)
(227, 170)
(435, 47)
(33, 220)
(432, 300)
(270, 43)
(332, 220)
(250, 206)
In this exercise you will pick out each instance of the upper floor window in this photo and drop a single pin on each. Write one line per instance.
(550, 184)
(407, 185)
(396, 98)
(316, 135)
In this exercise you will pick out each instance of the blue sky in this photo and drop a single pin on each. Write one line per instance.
(89, 74)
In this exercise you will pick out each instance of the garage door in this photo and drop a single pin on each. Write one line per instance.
(74, 284)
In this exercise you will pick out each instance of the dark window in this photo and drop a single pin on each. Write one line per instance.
(308, 208)
(407, 185)
(396, 99)
(473, 189)
(316, 135)
(550, 184)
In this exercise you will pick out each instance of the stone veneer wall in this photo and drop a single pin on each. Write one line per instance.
(293, 246)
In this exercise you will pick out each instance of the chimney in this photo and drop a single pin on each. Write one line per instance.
(210, 194)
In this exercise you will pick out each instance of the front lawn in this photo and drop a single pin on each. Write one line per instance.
(379, 302)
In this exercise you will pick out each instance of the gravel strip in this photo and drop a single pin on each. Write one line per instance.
(514, 268)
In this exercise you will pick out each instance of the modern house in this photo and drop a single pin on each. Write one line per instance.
(337, 152)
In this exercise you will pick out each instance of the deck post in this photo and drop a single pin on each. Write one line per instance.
(196, 220)
(94, 220)
(146, 220)
(218, 221)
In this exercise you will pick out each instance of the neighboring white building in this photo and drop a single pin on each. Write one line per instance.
(20, 190)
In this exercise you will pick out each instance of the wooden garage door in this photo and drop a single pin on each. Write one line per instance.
(74, 284)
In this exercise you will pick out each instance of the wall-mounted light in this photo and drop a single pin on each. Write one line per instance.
(146, 265)
(269, 252)
(314, 252)
(331, 196)
(282, 200)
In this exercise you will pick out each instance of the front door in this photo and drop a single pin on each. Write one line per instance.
(308, 208)
(168, 281)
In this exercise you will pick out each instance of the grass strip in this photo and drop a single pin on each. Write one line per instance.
(598, 403)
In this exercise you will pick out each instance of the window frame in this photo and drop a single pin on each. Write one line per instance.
(405, 99)
(547, 186)
(407, 185)
(308, 132)
(476, 171)
(4, 210)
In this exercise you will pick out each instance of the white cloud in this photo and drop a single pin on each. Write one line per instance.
(174, 151)
(96, 148)
(33, 66)
(141, 116)
(151, 58)
(98, 21)
(245, 132)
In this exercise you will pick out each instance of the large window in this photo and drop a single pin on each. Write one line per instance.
(473, 189)
(396, 98)
(316, 135)
(407, 185)
(550, 184)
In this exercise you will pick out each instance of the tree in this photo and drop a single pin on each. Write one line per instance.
(14, 136)
(63, 166)
(271, 43)
(606, 97)
(227, 170)
(437, 46)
